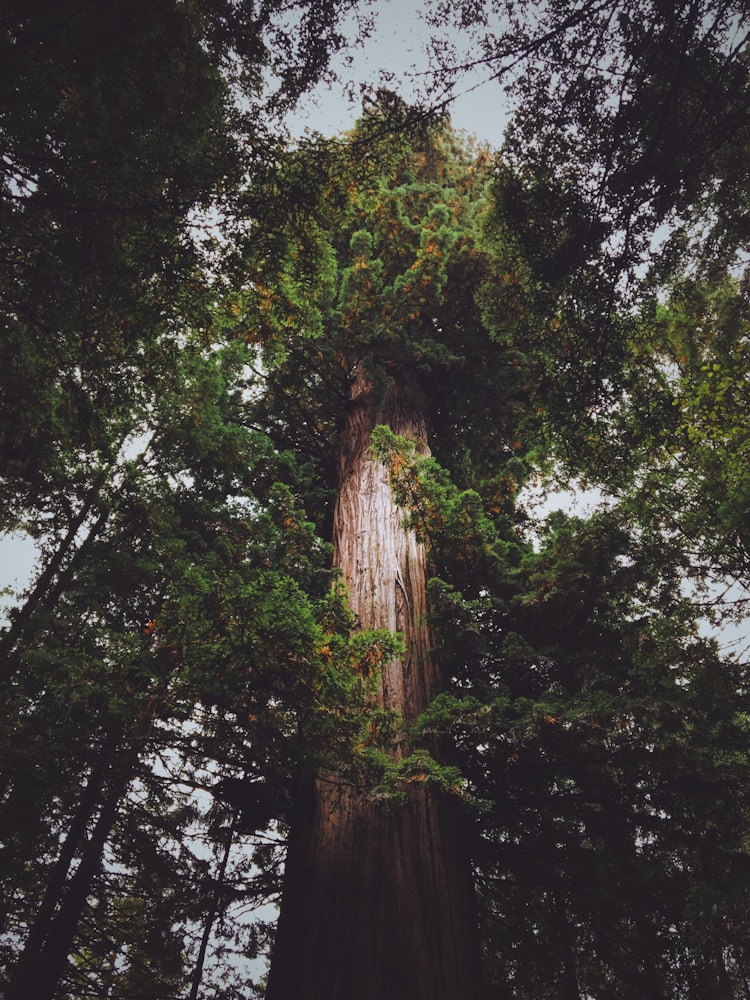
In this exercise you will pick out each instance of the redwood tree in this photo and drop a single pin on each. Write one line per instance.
(375, 306)
(378, 895)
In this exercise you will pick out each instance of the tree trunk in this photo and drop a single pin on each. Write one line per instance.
(213, 911)
(40, 968)
(378, 898)
(570, 989)
(56, 885)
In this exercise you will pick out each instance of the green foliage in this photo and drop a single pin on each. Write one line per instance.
(391, 779)
(601, 751)
(595, 733)
(699, 339)
(169, 432)
(623, 167)
(374, 276)
(629, 113)
(462, 529)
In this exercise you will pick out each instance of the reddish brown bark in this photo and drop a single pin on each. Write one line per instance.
(378, 900)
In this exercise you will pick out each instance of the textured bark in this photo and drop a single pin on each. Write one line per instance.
(382, 564)
(378, 899)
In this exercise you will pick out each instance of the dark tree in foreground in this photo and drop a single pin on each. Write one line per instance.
(120, 128)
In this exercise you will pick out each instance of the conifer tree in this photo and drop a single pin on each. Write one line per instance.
(571, 678)
(374, 323)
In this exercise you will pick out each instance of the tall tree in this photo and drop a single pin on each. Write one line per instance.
(374, 323)
(573, 678)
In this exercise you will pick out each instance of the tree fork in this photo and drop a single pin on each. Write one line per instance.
(378, 897)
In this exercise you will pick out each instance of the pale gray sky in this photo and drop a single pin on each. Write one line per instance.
(397, 46)
(17, 558)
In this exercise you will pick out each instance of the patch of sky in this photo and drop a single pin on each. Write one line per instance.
(396, 56)
(538, 499)
(18, 561)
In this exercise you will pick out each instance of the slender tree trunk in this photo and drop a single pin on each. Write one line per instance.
(44, 593)
(55, 889)
(39, 968)
(213, 912)
(378, 898)
(648, 973)
(570, 987)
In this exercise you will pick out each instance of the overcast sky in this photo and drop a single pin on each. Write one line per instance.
(397, 46)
